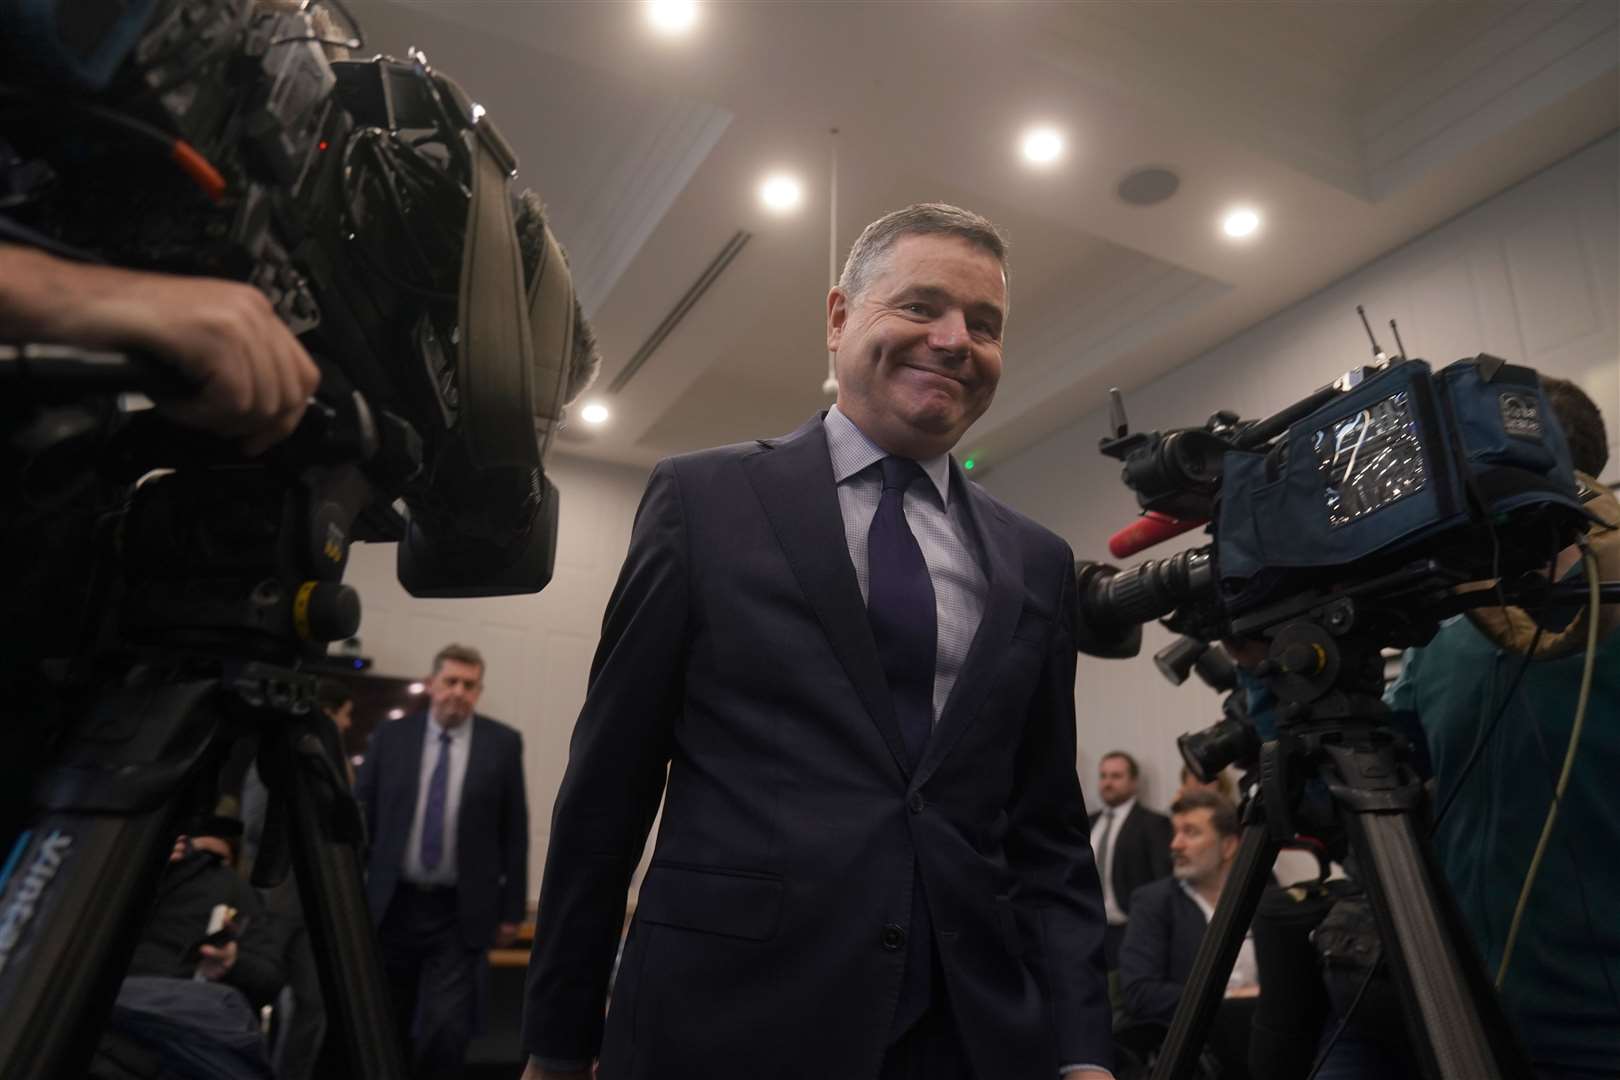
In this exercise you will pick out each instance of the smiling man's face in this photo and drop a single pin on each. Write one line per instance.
(919, 350)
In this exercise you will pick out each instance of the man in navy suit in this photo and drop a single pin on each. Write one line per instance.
(447, 876)
(849, 673)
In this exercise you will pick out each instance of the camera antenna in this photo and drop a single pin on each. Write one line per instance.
(1116, 413)
(1398, 343)
(1378, 353)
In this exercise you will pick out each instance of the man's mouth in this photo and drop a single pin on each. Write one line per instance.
(947, 376)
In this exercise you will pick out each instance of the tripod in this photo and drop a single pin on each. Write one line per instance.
(1334, 726)
(229, 577)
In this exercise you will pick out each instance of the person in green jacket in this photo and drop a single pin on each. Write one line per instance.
(1560, 987)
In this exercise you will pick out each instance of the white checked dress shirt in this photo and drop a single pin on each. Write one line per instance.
(943, 530)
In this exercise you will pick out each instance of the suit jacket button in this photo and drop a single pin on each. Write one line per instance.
(916, 803)
(894, 937)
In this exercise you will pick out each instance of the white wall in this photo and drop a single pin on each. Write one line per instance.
(1530, 275)
(538, 647)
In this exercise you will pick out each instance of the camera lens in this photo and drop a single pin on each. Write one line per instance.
(1209, 751)
(1155, 588)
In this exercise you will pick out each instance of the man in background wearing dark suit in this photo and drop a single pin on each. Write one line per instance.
(1168, 920)
(447, 876)
(1132, 844)
(849, 674)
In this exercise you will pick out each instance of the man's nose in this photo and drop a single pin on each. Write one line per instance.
(949, 334)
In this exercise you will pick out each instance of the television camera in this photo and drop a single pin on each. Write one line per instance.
(370, 202)
(1340, 526)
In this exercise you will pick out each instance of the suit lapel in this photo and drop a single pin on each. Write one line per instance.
(793, 480)
(1003, 602)
(1122, 849)
(408, 753)
(479, 750)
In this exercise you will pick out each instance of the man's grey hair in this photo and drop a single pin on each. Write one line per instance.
(461, 654)
(919, 219)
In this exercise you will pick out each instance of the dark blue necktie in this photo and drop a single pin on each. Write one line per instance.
(900, 606)
(438, 793)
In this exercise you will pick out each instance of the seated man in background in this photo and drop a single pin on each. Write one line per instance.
(193, 1001)
(1168, 919)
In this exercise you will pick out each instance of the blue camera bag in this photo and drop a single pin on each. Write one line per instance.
(1407, 454)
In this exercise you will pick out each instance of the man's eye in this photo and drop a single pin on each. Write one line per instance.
(917, 308)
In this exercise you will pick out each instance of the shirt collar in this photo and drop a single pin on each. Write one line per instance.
(1123, 810)
(456, 733)
(1196, 897)
(852, 451)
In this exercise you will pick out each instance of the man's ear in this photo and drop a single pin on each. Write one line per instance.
(837, 315)
(1229, 848)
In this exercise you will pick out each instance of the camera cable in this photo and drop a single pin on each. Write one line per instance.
(185, 156)
(1344, 1021)
(1485, 735)
(1589, 561)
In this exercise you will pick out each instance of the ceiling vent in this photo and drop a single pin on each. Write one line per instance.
(683, 306)
(1148, 186)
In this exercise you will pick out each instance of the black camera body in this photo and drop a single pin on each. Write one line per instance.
(368, 201)
(1391, 486)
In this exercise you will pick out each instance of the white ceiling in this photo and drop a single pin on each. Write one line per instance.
(1352, 126)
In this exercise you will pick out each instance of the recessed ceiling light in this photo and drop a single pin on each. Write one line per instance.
(594, 413)
(1240, 223)
(417, 688)
(781, 193)
(672, 16)
(1042, 145)
(396, 714)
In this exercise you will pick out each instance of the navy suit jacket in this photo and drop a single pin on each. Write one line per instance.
(492, 831)
(1161, 942)
(736, 658)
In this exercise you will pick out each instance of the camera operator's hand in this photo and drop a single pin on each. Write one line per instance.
(217, 961)
(253, 377)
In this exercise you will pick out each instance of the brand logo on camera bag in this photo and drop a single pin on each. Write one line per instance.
(1521, 416)
(48, 859)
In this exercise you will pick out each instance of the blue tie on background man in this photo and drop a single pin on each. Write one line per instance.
(438, 793)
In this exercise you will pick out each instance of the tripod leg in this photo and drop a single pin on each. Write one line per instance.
(1206, 985)
(327, 838)
(78, 884)
(1454, 1018)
